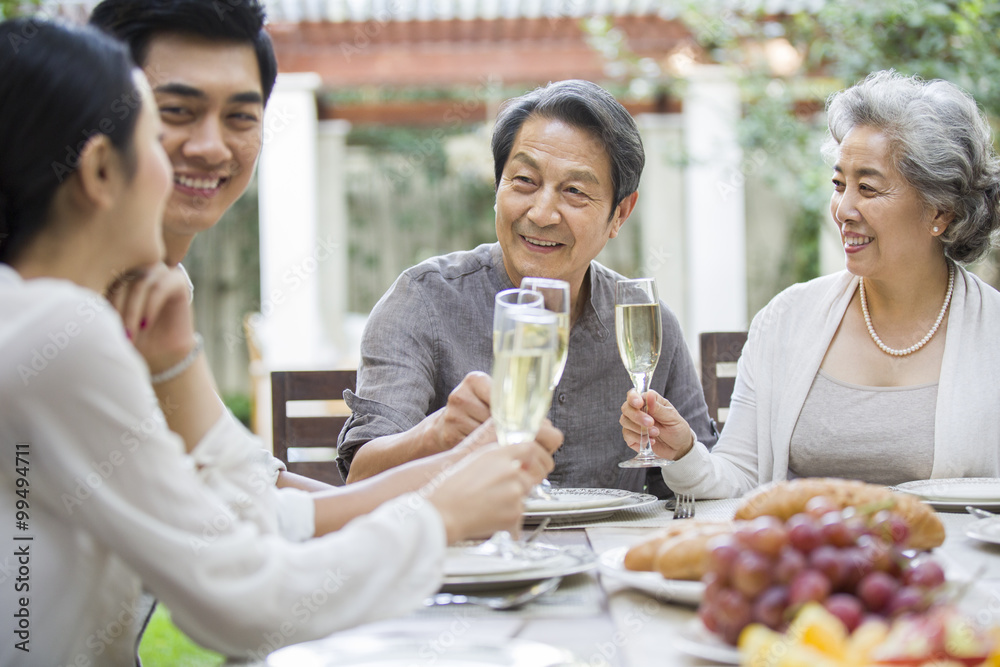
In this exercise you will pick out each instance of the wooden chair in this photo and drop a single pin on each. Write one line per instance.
(309, 432)
(720, 350)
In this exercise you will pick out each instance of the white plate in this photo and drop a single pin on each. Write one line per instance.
(629, 500)
(464, 561)
(956, 492)
(612, 565)
(570, 560)
(396, 651)
(695, 639)
(985, 530)
(576, 499)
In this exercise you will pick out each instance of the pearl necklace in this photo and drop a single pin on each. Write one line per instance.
(930, 334)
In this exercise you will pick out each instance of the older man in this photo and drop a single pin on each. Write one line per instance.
(567, 162)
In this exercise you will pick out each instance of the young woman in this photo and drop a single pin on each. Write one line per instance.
(105, 498)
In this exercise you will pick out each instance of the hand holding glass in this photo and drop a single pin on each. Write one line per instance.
(639, 331)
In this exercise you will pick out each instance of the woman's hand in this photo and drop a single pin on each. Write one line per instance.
(485, 491)
(156, 309)
(669, 434)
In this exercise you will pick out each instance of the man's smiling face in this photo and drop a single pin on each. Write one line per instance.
(210, 100)
(555, 202)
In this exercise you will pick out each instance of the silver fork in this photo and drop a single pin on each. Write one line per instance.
(684, 506)
(499, 602)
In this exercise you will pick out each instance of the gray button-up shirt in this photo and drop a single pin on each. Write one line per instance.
(435, 325)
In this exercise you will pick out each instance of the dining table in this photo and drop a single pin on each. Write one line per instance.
(599, 618)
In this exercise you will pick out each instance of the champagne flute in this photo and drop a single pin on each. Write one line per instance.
(511, 298)
(555, 294)
(639, 331)
(556, 300)
(522, 375)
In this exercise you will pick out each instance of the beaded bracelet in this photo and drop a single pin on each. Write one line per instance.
(182, 365)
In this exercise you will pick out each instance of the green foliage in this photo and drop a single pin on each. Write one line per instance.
(163, 645)
(12, 8)
(239, 405)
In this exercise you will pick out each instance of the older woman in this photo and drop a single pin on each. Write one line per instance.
(886, 372)
(107, 500)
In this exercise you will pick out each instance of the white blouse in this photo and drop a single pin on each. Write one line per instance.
(111, 503)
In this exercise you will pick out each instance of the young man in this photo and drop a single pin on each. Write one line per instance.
(567, 162)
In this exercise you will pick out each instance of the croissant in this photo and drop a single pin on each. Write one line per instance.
(784, 499)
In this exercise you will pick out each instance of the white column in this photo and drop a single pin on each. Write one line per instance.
(660, 210)
(715, 221)
(333, 231)
(291, 250)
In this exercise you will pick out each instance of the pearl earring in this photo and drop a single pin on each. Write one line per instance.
(935, 230)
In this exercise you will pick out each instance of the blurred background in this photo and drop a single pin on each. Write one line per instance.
(376, 150)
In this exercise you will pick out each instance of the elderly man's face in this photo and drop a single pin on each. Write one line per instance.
(555, 203)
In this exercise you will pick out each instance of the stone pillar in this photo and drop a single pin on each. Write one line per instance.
(333, 231)
(660, 210)
(715, 220)
(289, 326)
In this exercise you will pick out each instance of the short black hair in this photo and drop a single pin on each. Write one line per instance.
(61, 85)
(584, 105)
(137, 22)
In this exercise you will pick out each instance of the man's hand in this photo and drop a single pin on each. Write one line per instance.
(468, 407)
(669, 435)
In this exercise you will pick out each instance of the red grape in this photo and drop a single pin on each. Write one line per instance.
(907, 599)
(925, 574)
(847, 608)
(803, 533)
(808, 586)
(828, 560)
(767, 535)
(877, 589)
(835, 530)
(769, 607)
(721, 555)
(890, 527)
(790, 563)
(751, 573)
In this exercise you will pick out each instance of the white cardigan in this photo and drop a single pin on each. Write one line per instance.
(114, 504)
(786, 345)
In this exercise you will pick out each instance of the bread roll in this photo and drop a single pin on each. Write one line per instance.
(784, 499)
(642, 556)
(686, 556)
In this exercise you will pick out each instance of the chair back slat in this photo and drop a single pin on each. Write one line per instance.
(719, 352)
(312, 431)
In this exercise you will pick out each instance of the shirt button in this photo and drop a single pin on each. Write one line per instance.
(562, 398)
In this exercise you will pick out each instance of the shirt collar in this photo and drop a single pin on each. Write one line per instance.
(599, 299)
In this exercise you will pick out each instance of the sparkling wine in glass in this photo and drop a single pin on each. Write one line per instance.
(639, 332)
(555, 296)
(507, 299)
(522, 373)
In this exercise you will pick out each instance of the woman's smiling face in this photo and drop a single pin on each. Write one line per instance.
(884, 223)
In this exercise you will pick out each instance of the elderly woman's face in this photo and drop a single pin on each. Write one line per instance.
(884, 224)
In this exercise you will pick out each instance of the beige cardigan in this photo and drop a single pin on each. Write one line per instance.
(787, 342)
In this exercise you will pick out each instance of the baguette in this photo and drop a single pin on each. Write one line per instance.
(686, 556)
(787, 498)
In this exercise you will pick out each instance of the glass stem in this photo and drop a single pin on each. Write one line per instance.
(645, 448)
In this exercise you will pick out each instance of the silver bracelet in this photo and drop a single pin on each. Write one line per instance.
(182, 365)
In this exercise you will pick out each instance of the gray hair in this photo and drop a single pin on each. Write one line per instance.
(940, 142)
(584, 105)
